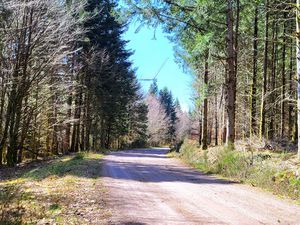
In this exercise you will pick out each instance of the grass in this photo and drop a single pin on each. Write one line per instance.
(65, 191)
(275, 172)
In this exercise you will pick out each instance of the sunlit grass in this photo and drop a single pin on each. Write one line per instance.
(278, 172)
(63, 191)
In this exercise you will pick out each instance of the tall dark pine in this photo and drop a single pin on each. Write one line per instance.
(106, 78)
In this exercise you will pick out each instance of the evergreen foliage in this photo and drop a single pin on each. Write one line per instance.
(153, 90)
(167, 101)
(66, 81)
(243, 57)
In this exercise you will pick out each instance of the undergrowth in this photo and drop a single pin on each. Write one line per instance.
(63, 191)
(267, 170)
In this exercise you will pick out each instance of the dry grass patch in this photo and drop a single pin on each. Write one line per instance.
(65, 191)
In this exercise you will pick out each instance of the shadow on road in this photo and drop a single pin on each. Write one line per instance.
(152, 166)
(159, 153)
(128, 223)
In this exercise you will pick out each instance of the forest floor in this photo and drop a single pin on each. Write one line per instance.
(148, 187)
(66, 190)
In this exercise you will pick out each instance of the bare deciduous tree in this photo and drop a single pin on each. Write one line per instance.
(157, 120)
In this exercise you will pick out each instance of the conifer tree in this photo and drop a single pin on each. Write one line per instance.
(167, 101)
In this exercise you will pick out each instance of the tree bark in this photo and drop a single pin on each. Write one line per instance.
(291, 89)
(216, 120)
(298, 69)
(200, 129)
(2, 106)
(237, 27)
(272, 111)
(67, 146)
(205, 105)
(68, 125)
(283, 79)
(253, 124)
(265, 72)
(231, 78)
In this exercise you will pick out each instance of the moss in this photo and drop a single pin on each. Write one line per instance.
(54, 208)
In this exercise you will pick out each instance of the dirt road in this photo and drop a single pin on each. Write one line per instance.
(147, 187)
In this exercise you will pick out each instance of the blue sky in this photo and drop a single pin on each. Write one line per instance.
(149, 55)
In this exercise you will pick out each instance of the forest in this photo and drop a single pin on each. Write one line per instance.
(243, 57)
(68, 85)
(83, 142)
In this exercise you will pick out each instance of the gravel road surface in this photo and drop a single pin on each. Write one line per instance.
(147, 187)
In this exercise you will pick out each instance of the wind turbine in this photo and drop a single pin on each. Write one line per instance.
(157, 73)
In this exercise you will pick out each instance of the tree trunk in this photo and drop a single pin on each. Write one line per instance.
(53, 119)
(231, 78)
(216, 120)
(67, 146)
(83, 123)
(68, 125)
(12, 107)
(2, 101)
(205, 105)
(88, 121)
(283, 79)
(253, 96)
(200, 129)
(265, 72)
(298, 69)
(75, 141)
(25, 126)
(11, 140)
(224, 129)
(237, 27)
(292, 93)
(272, 111)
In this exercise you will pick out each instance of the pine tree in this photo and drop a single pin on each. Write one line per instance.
(167, 101)
(153, 88)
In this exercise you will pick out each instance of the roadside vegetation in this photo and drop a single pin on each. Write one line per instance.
(276, 171)
(66, 190)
